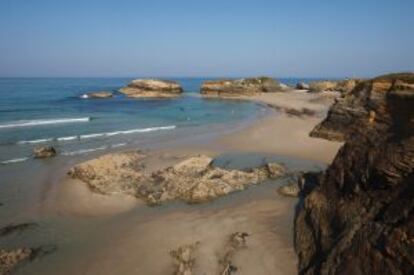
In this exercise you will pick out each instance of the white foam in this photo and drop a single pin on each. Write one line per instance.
(84, 96)
(84, 151)
(14, 160)
(38, 122)
(133, 131)
(35, 141)
(97, 135)
(67, 138)
(92, 135)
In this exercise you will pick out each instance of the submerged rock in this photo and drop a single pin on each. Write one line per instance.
(152, 88)
(357, 217)
(44, 152)
(102, 94)
(240, 87)
(192, 180)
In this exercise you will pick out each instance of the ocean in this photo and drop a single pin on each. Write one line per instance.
(51, 111)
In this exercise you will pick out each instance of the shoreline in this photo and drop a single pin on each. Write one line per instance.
(259, 210)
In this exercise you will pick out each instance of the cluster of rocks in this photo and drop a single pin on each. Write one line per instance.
(157, 88)
(357, 216)
(192, 180)
(185, 255)
(237, 87)
(153, 88)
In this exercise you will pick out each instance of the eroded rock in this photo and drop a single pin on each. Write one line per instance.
(357, 217)
(152, 88)
(192, 180)
(240, 87)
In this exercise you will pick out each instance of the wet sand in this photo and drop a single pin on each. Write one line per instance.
(98, 234)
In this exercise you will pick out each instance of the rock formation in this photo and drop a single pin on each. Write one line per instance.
(152, 88)
(358, 216)
(343, 86)
(44, 152)
(102, 94)
(240, 87)
(192, 180)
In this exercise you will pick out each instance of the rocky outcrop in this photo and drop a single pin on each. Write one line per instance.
(343, 86)
(240, 87)
(98, 95)
(44, 152)
(10, 259)
(358, 216)
(192, 180)
(152, 88)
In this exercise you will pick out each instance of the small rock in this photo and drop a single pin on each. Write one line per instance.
(101, 94)
(44, 152)
(291, 189)
(302, 86)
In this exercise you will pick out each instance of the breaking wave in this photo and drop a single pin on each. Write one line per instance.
(39, 122)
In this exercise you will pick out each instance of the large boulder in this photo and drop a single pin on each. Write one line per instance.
(152, 88)
(44, 152)
(240, 87)
(192, 180)
(357, 217)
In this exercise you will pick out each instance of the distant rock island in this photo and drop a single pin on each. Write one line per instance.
(152, 88)
(357, 217)
(241, 87)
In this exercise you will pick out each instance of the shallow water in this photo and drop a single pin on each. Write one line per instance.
(50, 111)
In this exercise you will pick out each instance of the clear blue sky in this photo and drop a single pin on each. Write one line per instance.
(309, 38)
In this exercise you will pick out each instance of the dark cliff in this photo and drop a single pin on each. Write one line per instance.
(358, 216)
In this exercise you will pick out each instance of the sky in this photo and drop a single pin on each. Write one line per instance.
(211, 38)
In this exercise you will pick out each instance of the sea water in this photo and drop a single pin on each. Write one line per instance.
(53, 111)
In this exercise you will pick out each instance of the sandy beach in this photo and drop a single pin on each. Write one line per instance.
(143, 237)
(134, 238)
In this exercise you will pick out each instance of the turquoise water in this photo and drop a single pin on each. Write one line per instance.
(50, 111)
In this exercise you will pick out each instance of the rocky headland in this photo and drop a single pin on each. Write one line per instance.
(357, 217)
(152, 88)
(241, 87)
(193, 180)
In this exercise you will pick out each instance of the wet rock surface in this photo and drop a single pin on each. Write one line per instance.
(193, 180)
(358, 216)
(152, 88)
(240, 87)
(44, 152)
(101, 94)
(12, 258)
